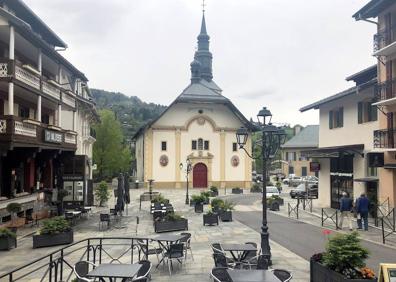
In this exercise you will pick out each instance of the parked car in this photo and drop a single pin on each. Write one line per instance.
(300, 191)
(310, 179)
(292, 181)
(272, 191)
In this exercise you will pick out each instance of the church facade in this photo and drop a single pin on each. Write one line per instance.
(199, 126)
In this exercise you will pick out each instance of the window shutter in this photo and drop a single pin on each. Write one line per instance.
(330, 119)
(360, 112)
(341, 117)
(374, 112)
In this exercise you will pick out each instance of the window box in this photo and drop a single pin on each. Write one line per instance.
(167, 226)
(210, 219)
(49, 240)
(7, 243)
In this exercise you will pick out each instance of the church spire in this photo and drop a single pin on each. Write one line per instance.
(203, 55)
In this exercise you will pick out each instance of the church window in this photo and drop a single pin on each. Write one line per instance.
(206, 145)
(163, 145)
(194, 145)
(234, 147)
(200, 144)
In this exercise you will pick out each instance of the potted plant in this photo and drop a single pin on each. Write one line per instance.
(216, 204)
(55, 231)
(272, 204)
(237, 190)
(279, 186)
(206, 195)
(171, 222)
(7, 239)
(256, 188)
(198, 202)
(210, 218)
(343, 260)
(214, 191)
(14, 209)
(226, 211)
(159, 199)
(102, 193)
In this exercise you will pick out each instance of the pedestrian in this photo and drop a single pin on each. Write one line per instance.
(362, 207)
(346, 205)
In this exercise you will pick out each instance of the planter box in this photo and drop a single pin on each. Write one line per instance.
(146, 196)
(206, 202)
(210, 219)
(216, 210)
(237, 191)
(320, 273)
(198, 208)
(7, 243)
(214, 193)
(226, 216)
(47, 240)
(167, 226)
(192, 203)
(274, 206)
(256, 191)
(281, 201)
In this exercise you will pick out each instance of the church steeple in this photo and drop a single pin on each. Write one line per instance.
(203, 55)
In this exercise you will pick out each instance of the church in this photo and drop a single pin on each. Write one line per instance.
(198, 127)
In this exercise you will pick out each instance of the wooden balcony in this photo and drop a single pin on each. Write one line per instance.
(384, 38)
(31, 78)
(385, 138)
(18, 132)
(386, 90)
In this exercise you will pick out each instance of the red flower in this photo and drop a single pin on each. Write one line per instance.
(326, 232)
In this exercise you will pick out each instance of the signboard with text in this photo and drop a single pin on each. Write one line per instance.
(53, 136)
(314, 166)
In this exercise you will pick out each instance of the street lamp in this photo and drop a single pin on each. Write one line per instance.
(272, 138)
(187, 171)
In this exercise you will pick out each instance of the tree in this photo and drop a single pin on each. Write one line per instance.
(102, 193)
(109, 153)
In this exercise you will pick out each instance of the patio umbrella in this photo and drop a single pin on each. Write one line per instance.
(126, 188)
(120, 193)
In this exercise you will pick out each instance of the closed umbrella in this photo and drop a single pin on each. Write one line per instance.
(126, 188)
(120, 193)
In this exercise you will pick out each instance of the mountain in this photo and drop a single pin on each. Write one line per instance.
(130, 111)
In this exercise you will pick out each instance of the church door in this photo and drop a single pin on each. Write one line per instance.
(200, 176)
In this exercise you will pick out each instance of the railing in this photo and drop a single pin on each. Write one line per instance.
(25, 129)
(50, 90)
(68, 100)
(384, 138)
(331, 216)
(58, 265)
(384, 38)
(70, 138)
(27, 77)
(293, 209)
(386, 90)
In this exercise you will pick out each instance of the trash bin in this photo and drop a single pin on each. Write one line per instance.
(136, 184)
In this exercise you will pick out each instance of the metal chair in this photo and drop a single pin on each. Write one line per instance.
(283, 275)
(81, 270)
(250, 254)
(216, 247)
(219, 274)
(187, 243)
(143, 274)
(104, 217)
(149, 251)
(221, 260)
(175, 252)
(257, 262)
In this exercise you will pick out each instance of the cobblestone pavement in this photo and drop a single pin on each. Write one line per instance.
(194, 270)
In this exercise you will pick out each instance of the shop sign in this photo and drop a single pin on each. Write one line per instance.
(341, 174)
(314, 166)
(72, 177)
(53, 136)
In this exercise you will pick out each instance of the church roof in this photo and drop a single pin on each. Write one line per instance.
(203, 91)
(306, 138)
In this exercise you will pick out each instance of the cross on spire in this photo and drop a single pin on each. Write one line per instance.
(203, 6)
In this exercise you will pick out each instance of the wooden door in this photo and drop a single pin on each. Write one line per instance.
(200, 176)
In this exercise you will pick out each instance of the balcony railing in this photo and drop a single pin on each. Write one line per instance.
(68, 100)
(15, 129)
(384, 37)
(386, 90)
(385, 138)
(50, 90)
(27, 77)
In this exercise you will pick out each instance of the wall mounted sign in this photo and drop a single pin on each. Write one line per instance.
(314, 166)
(235, 161)
(164, 160)
(53, 136)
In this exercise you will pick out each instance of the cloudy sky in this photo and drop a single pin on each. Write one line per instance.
(283, 54)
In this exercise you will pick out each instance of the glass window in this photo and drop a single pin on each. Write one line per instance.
(336, 118)
(200, 144)
(194, 144)
(367, 112)
(163, 145)
(206, 145)
(23, 112)
(45, 119)
(234, 147)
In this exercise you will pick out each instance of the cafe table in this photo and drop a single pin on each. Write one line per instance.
(114, 271)
(165, 240)
(239, 275)
(238, 251)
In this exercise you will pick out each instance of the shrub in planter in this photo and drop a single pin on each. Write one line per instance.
(237, 190)
(55, 231)
(7, 239)
(206, 195)
(214, 191)
(256, 188)
(210, 218)
(171, 222)
(216, 204)
(343, 260)
(159, 199)
(198, 202)
(226, 211)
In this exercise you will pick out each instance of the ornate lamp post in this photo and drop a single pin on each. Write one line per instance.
(187, 171)
(272, 138)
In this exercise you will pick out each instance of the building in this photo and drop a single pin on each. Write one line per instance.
(384, 137)
(293, 151)
(347, 121)
(200, 125)
(45, 115)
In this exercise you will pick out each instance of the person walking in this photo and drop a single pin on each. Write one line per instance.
(346, 205)
(362, 208)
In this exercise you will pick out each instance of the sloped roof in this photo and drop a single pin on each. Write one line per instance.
(306, 138)
(372, 9)
(203, 91)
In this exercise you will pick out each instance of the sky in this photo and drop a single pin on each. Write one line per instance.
(282, 54)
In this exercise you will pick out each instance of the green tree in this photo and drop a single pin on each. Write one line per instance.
(102, 193)
(110, 153)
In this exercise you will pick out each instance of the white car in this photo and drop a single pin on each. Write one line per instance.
(272, 191)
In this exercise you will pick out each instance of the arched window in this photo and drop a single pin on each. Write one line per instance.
(200, 144)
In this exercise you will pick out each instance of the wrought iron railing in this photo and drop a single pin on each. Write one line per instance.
(386, 90)
(384, 37)
(58, 265)
(384, 138)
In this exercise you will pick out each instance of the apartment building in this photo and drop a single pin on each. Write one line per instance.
(383, 14)
(45, 115)
(347, 121)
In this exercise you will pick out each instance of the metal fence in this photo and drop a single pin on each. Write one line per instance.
(293, 209)
(330, 216)
(58, 265)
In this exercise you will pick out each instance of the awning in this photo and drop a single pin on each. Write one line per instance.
(336, 151)
(366, 179)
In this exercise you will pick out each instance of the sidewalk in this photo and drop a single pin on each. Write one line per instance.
(202, 237)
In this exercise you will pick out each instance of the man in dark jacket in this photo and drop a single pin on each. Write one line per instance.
(362, 208)
(345, 209)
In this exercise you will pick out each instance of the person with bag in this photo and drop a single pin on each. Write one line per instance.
(362, 208)
(346, 205)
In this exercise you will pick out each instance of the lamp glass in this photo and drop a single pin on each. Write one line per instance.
(264, 116)
(242, 136)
